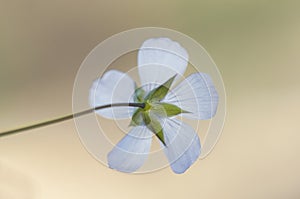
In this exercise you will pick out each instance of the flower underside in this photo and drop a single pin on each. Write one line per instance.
(154, 110)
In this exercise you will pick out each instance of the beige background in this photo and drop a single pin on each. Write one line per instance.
(256, 45)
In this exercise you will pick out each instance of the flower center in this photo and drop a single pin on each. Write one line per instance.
(148, 106)
(155, 111)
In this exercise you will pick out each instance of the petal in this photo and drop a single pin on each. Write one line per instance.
(183, 145)
(197, 95)
(132, 151)
(113, 87)
(159, 59)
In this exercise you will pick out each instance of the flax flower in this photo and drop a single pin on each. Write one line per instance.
(161, 62)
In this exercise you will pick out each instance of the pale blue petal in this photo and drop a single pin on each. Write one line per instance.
(159, 59)
(182, 145)
(132, 151)
(197, 95)
(113, 87)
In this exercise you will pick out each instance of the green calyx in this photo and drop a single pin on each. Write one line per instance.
(154, 109)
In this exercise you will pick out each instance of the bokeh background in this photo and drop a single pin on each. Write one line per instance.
(255, 44)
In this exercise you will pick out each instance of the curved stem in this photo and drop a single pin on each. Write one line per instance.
(67, 117)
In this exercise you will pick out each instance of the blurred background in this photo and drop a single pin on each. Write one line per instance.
(255, 44)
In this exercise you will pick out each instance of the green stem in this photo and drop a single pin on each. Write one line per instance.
(67, 117)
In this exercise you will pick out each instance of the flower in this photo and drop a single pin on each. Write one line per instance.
(161, 63)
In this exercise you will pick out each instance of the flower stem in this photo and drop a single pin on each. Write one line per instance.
(67, 117)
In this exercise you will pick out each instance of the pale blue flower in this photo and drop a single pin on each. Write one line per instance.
(159, 59)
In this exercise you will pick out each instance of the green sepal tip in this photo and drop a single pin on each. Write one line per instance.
(153, 125)
(160, 92)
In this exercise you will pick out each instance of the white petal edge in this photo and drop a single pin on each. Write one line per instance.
(159, 59)
(113, 87)
(132, 151)
(197, 95)
(182, 145)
